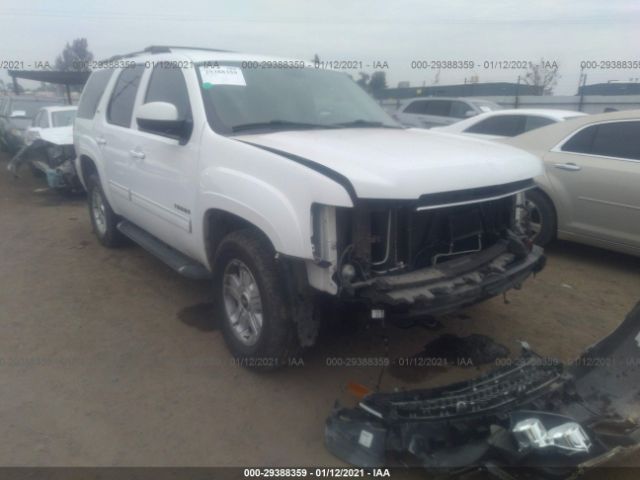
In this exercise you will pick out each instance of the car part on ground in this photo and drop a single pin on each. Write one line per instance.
(532, 416)
(52, 154)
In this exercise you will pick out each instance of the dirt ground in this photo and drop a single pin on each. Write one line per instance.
(108, 357)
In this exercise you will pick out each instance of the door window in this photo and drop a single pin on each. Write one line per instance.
(440, 108)
(418, 107)
(168, 85)
(120, 109)
(459, 109)
(92, 93)
(613, 139)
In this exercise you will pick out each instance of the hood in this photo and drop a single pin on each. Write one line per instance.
(405, 163)
(58, 135)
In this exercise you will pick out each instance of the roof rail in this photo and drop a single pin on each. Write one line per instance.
(168, 48)
(154, 49)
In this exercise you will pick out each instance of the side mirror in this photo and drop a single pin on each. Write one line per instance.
(469, 113)
(18, 114)
(162, 118)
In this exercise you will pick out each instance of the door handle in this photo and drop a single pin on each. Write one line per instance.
(570, 167)
(101, 141)
(136, 154)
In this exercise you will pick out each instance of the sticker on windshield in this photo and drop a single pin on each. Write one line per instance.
(221, 75)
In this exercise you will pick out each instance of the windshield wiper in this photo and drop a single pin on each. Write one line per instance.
(279, 124)
(360, 123)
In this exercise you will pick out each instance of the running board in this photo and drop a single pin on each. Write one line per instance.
(178, 261)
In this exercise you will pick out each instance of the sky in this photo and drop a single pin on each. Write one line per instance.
(397, 32)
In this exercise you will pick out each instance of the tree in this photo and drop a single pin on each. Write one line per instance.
(363, 81)
(543, 75)
(377, 82)
(75, 56)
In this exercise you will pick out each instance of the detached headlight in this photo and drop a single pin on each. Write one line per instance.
(568, 437)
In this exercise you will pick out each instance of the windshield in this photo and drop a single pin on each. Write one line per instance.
(63, 118)
(30, 107)
(243, 99)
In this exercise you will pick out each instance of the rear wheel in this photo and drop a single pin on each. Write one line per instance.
(542, 217)
(254, 309)
(103, 218)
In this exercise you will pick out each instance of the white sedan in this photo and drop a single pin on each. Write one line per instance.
(508, 123)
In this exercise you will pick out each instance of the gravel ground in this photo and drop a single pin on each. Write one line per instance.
(110, 358)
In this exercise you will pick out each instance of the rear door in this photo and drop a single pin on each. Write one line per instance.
(118, 140)
(596, 176)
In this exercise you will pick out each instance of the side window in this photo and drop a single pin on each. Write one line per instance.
(43, 121)
(92, 93)
(168, 85)
(459, 109)
(617, 139)
(419, 107)
(532, 122)
(581, 142)
(120, 107)
(503, 125)
(440, 108)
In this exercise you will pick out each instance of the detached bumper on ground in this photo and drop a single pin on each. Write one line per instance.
(456, 283)
(535, 416)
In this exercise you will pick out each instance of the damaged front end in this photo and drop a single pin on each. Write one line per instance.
(52, 155)
(434, 255)
(536, 416)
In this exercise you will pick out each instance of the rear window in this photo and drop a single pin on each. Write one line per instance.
(534, 121)
(92, 93)
(503, 125)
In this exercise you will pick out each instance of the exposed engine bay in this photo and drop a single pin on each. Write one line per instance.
(466, 246)
(534, 415)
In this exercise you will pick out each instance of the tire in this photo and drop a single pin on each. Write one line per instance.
(103, 218)
(258, 329)
(543, 216)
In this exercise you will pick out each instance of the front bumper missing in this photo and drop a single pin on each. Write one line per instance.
(457, 283)
(468, 425)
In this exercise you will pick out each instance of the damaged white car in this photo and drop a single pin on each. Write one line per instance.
(48, 148)
(286, 184)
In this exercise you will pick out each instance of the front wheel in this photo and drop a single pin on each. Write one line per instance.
(254, 309)
(542, 217)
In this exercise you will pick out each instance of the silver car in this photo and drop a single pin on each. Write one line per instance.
(427, 112)
(590, 192)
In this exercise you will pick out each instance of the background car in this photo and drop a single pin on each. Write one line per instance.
(509, 123)
(590, 191)
(51, 118)
(434, 112)
(16, 115)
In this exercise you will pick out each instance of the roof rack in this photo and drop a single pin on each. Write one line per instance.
(155, 49)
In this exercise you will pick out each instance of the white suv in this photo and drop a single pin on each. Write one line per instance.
(287, 184)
